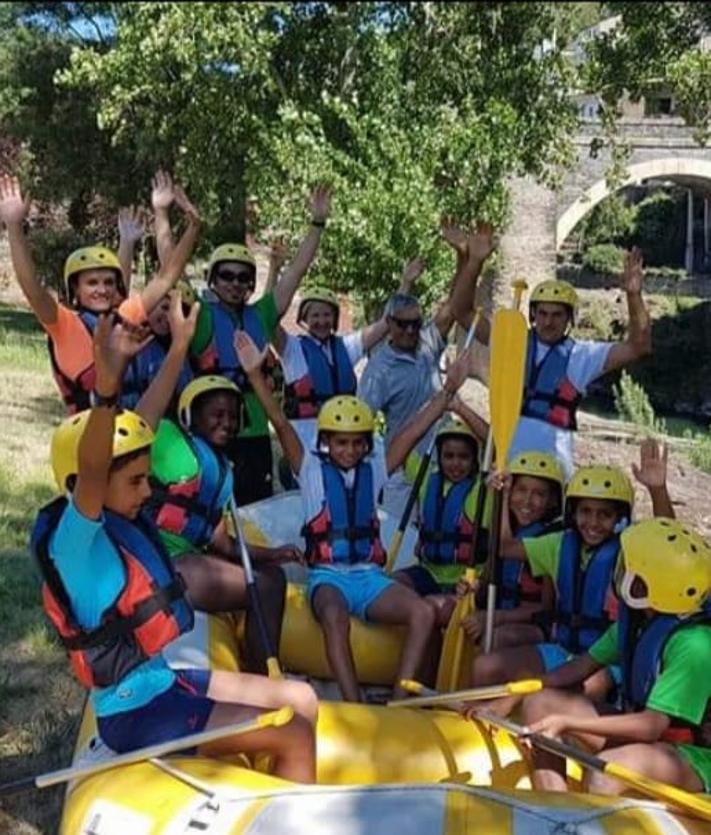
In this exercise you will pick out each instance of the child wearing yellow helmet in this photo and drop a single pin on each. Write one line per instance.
(447, 508)
(662, 640)
(116, 602)
(523, 601)
(559, 368)
(339, 488)
(93, 281)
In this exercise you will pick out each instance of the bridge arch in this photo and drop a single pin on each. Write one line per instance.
(688, 171)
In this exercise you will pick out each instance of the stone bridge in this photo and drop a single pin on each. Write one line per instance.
(661, 148)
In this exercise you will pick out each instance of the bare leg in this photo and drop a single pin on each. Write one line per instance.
(443, 605)
(549, 770)
(503, 666)
(401, 606)
(511, 635)
(331, 611)
(658, 761)
(246, 688)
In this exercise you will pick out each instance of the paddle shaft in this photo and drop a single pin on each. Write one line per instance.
(492, 562)
(255, 604)
(275, 718)
(478, 521)
(430, 697)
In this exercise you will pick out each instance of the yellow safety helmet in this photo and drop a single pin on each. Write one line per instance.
(188, 295)
(345, 413)
(539, 465)
(672, 560)
(230, 252)
(554, 291)
(131, 433)
(91, 258)
(323, 295)
(601, 482)
(455, 428)
(202, 385)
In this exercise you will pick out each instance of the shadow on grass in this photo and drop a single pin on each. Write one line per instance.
(19, 321)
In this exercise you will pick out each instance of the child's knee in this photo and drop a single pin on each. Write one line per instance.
(304, 700)
(422, 616)
(537, 706)
(489, 669)
(335, 619)
(299, 734)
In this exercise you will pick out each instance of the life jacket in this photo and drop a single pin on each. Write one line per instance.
(149, 613)
(446, 532)
(641, 643)
(548, 393)
(347, 529)
(516, 584)
(586, 603)
(75, 391)
(305, 396)
(192, 507)
(145, 366)
(220, 356)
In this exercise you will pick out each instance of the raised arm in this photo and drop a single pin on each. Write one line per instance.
(652, 473)
(114, 346)
(480, 245)
(278, 256)
(639, 336)
(372, 334)
(13, 212)
(162, 196)
(296, 270)
(173, 268)
(156, 398)
(131, 226)
(251, 360)
(403, 442)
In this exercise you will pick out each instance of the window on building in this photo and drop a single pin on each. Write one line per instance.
(658, 106)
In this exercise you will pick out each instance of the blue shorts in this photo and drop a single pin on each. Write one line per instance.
(181, 710)
(553, 656)
(360, 587)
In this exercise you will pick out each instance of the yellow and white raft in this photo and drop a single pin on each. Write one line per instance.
(379, 769)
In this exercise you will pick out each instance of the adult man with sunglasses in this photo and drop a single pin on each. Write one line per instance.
(231, 276)
(404, 375)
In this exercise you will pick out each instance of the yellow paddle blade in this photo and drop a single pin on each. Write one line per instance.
(457, 655)
(679, 798)
(509, 339)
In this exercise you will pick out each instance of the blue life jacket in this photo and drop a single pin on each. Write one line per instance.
(515, 582)
(548, 393)
(446, 532)
(225, 322)
(586, 603)
(192, 508)
(75, 391)
(641, 643)
(347, 529)
(145, 366)
(305, 396)
(149, 612)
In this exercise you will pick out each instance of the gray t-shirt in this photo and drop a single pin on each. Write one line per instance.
(399, 384)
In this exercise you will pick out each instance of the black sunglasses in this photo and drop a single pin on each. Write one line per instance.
(245, 279)
(407, 324)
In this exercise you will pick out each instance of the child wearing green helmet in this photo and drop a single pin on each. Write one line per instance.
(94, 284)
(339, 487)
(662, 640)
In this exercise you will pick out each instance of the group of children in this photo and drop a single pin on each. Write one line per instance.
(587, 597)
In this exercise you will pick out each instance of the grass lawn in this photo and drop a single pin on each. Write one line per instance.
(40, 702)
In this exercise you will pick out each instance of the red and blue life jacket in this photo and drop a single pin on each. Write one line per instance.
(347, 529)
(323, 380)
(149, 613)
(586, 603)
(446, 532)
(548, 393)
(75, 391)
(145, 366)
(515, 581)
(194, 507)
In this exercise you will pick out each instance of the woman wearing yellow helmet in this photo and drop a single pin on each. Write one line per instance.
(662, 640)
(339, 487)
(112, 593)
(93, 279)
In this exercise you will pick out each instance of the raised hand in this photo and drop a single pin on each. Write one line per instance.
(499, 480)
(320, 202)
(250, 357)
(14, 208)
(652, 470)
(455, 236)
(633, 273)
(412, 270)
(162, 191)
(115, 343)
(481, 241)
(132, 223)
(458, 372)
(182, 327)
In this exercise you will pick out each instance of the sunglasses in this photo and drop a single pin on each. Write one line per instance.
(245, 279)
(407, 324)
